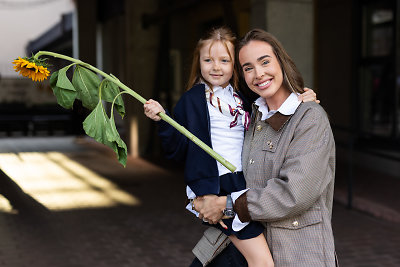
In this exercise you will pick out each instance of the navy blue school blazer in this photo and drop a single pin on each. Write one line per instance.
(191, 111)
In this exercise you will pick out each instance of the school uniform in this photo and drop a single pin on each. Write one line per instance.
(203, 174)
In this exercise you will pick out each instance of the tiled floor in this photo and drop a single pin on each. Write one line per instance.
(134, 215)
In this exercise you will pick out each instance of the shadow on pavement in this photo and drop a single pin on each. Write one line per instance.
(18, 199)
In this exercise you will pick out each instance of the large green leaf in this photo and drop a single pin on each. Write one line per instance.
(120, 147)
(109, 91)
(96, 123)
(103, 130)
(86, 83)
(63, 88)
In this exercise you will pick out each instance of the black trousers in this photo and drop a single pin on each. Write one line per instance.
(229, 257)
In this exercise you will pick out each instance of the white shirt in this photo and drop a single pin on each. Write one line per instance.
(287, 108)
(226, 141)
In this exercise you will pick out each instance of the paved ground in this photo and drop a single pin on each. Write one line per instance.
(75, 206)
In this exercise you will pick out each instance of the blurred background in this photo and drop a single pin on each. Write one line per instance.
(347, 51)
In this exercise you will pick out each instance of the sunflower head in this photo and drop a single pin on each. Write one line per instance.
(33, 68)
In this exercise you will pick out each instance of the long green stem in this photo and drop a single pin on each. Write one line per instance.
(138, 97)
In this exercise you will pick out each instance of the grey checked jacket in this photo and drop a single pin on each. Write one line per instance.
(289, 166)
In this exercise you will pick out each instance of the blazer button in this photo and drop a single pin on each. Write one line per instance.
(259, 128)
(251, 161)
(295, 223)
(269, 143)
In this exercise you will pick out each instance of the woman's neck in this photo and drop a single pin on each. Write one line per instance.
(277, 99)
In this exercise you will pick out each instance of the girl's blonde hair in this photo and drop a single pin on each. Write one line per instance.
(221, 34)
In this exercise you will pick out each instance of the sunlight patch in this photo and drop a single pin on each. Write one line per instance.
(60, 183)
(5, 205)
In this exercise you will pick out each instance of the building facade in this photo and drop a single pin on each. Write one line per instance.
(347, 51)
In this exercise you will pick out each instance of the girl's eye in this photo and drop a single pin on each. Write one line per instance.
(225, 60)
(207, 60)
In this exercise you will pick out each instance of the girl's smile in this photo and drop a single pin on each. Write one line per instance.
(216, 63)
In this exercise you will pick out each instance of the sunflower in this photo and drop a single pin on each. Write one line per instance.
(35, 69)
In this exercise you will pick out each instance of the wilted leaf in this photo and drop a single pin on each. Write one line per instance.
(102, 129)
(63, 88)
(120, 146)
(86, 83)
(109, 91)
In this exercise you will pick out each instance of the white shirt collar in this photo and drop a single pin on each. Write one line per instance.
(228, 88)
(287, 108)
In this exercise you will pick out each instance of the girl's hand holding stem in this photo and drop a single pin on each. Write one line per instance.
(152, 108)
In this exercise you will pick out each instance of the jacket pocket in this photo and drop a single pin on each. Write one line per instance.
(311, 217)
(298, 241)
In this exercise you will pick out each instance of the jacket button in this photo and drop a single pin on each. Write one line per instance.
(251, 161)
(269, 143)
(295, 223)
(259, 128)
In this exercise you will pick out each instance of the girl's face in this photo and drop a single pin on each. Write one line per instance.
(216, 65)
(262, 71)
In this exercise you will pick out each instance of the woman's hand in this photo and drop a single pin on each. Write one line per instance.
(152, 108)
(308, 95)
(210, 208)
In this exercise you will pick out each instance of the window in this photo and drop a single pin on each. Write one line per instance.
(378, 94)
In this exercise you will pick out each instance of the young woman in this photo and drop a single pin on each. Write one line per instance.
(213, 111)
(288, 160)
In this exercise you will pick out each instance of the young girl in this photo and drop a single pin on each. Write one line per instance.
(213, 111)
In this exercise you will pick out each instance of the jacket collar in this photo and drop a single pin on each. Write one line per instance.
(278, 120)
(279, 117)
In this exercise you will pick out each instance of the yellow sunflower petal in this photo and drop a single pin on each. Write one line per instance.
(29, 67)
(24, 63)
(33, 76)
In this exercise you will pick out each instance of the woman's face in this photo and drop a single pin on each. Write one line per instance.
(215, 63)
(262, 71)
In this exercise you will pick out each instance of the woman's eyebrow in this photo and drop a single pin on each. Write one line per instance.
(262, 57)
(258, 59)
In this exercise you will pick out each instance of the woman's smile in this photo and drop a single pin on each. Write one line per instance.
(264, 84)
